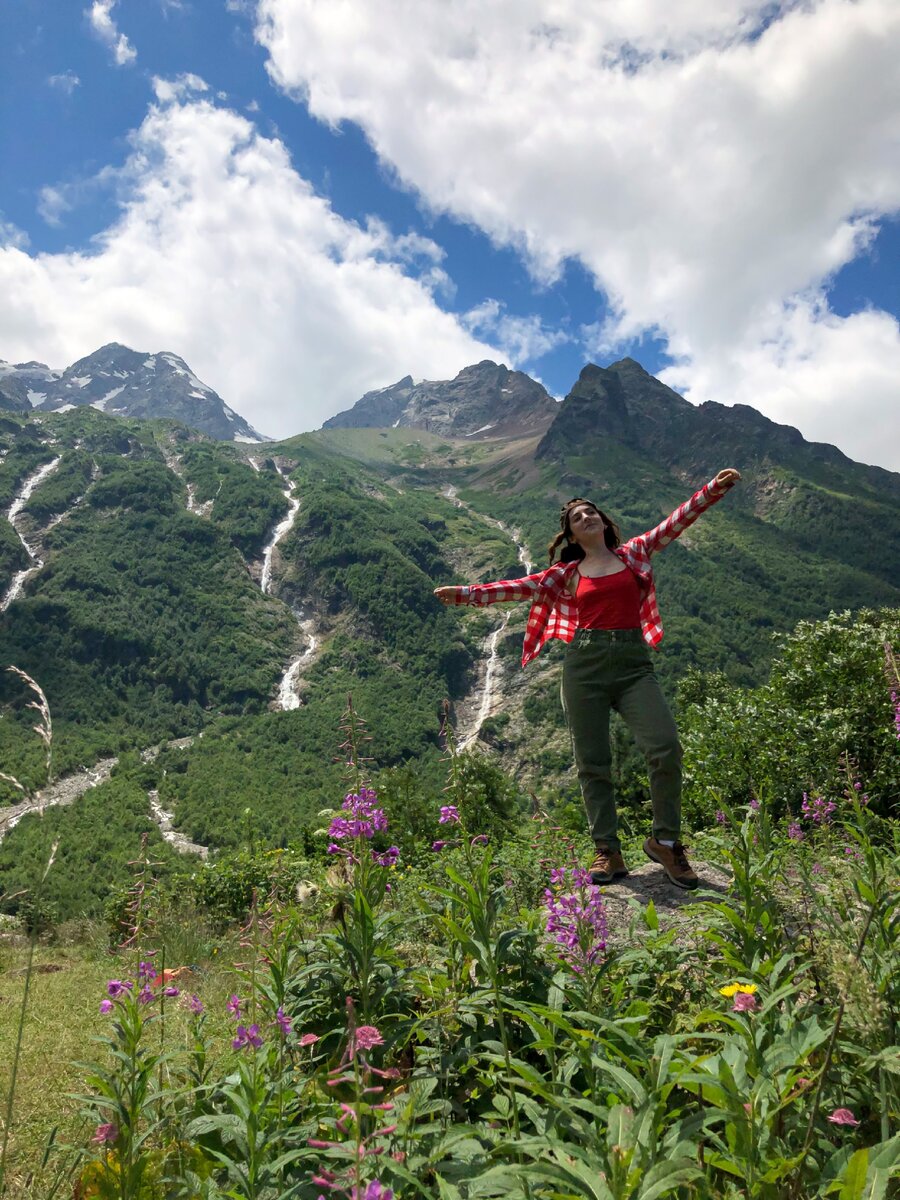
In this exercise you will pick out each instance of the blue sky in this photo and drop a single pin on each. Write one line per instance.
(202, 177)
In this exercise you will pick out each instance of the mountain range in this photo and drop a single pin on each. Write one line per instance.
(126, 383)
(215, 601)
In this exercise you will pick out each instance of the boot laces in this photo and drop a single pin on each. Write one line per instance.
(680, 856)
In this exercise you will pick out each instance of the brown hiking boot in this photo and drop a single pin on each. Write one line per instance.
(607, 865)
(673, 861)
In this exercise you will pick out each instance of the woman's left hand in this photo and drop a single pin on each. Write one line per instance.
(729, 475)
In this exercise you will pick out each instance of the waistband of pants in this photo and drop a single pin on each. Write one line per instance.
(604, 636)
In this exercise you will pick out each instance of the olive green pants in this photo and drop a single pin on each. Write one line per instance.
(611, 669)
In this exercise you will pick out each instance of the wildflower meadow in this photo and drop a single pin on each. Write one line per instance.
(474, 1018)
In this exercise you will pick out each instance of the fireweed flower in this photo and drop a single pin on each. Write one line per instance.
(388, 858)
(438, 846)
(106, 1006)
(744, 1002)
(234, 1006)
(195, 1004)
(116, 987)
(110, 1131)
(363, 819)
(449, 814)
(749, 989)
(721, 817)
(480, 839)
(817, 809)
(308, 1039)
(146, 995)
(375, 1190)
(146, 970)
(754, 803)
(795, 833)
(576, 921)
(170, 991)
(283, 1021)
(247, 1037)
(557, 875)
(818, 869)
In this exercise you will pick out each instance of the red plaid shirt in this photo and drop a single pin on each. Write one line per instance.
(553, 612)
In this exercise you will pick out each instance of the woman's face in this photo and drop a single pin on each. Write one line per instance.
(585, 522)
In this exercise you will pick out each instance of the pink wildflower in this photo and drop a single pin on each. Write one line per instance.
(365, 1037)
(105, 1007)
(842, 1116)
(247, 1037)
(308, 1039)
(744, 1002)
(110, 1131)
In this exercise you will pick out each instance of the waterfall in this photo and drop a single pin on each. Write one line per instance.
(18, 581)
(493, 641)
(282, 528)
(288, 696)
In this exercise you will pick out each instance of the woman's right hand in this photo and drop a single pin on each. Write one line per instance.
(450, 595)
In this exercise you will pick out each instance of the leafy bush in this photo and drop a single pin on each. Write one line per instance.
(823, 721)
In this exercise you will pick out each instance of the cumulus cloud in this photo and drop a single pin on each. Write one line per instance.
(522, 339)
(712, 165)
(67, 82)
(100, 18)
(225, 255)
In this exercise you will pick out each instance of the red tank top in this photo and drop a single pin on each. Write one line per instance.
(609, 601)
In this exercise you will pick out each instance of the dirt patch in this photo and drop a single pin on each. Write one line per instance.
(626, 897)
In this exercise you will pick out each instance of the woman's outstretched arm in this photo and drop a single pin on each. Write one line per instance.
(686, 514)
(480, 594)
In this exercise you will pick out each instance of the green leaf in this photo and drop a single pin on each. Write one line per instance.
(853, 1177)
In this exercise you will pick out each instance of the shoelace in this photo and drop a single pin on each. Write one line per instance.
(678, 852)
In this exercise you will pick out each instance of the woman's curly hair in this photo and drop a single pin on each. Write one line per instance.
(572, 552)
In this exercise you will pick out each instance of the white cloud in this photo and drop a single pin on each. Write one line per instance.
(225, 255)
(712, 165)
(522, 339)
(67, 82)
(52, 203)
(11, 236)
(101, 21)
(180, 88)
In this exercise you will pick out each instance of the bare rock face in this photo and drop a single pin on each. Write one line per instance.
(486, 400)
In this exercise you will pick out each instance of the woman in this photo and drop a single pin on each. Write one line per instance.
(600, 598)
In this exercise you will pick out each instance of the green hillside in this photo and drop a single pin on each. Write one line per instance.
(147, 621)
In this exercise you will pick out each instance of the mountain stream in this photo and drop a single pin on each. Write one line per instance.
(468, 730)
(18, 580)
(288, 694)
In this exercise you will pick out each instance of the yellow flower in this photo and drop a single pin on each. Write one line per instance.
(734, 988)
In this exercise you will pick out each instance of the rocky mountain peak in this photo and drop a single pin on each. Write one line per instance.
(129, 383)
(485, 400)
